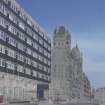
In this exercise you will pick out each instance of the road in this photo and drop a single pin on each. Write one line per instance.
(54, 104)
(77, 104)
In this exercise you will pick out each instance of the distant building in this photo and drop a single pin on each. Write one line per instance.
(66, 71)
(99, 96)
(25, 54)
(87, 87)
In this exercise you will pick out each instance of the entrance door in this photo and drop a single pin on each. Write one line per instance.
(40, 94)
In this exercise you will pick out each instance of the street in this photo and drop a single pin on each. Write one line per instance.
(50, 104)
(77, 104)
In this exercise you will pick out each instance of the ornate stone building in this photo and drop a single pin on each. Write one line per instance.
(67, 73)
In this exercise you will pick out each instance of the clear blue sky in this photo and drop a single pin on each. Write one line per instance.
(85, 19)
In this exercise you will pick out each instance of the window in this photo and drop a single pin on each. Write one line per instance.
(49, 70)
(41, 49)
(0, 62)
(3, 62)
(34, 73)
(19, 68)
(3, 22)
(45, 53)
(15, 20)
(49, 63)
(29, 41)
(12, 41)
(11, 16)
(49, 48)
(22, 14)
(45, 60)
(10, 65)
(40, 66)
(36, 27)
(32, 43)
(28, 31)
(20, 57)
(35, 55)
(21, 25)
(41, 33)
(40, 58)
(2, 35)
(21, 35)
(27, 61)
(45, 45)
(29, 22)
(35, 45)
(44, 68)
(2, 48)
(12, 29)
(28, 71)
(40, 75)
(14, 7)
(40, 41)
(3, 9)
(11, 52)
(29, 51)
(35, 36)
(49, 55)
(45, 37)
(21, 46)
(34, 63)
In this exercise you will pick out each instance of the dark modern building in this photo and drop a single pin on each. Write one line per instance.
(25, 54)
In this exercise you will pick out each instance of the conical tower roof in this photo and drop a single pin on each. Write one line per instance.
(76, 54)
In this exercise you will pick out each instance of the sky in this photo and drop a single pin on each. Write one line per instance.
(85, 19)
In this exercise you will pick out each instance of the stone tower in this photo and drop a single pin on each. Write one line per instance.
(77, 87)
(61, 65)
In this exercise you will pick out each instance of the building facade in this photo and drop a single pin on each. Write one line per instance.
(25, 54)
(99, 96)
(66, 71)
(87, 87)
